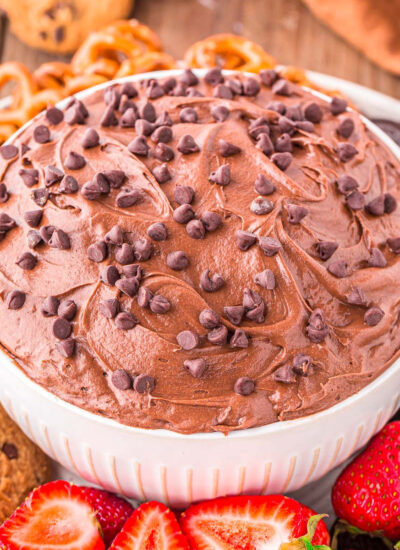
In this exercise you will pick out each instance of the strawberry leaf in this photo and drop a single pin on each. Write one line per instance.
(305, 542)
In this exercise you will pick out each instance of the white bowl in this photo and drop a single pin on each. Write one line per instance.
(178, 469)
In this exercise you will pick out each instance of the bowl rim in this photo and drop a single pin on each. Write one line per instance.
(162, 432)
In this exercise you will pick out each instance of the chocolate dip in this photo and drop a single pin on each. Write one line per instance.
(200, 256)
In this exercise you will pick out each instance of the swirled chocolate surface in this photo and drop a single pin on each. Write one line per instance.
(200, 256)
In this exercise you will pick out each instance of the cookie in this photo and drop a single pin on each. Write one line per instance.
(61, 26)
(23, 466)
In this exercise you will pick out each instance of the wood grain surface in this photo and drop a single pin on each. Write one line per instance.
(285, 28)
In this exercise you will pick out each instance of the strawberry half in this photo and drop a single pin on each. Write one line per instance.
(152, 526)
(111, 511)
(54, 516)
(270, 522)
(367, 492)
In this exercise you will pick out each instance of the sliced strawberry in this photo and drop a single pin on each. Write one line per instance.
(111, 511)
(248, 523)
(55, 516)
(152, 526)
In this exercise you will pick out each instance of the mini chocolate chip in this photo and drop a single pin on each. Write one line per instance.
(256, 131)
(164, 120)
(188, 339)
(376, 259)
(29, 176)
(183, 213)
(177, 260)
(144, 127)
(376, 207)
(188, 114)
(338, 105)
(317, 329)
(209, 318)
(33, 238)
(251, 299)
(27, 261)
(144, 296)
(338, 268)
(222, 175)
(102, 181)
(295, 113)
(33, 217)
(234, 314)
(62, 328)
(296, 213)
(394, 244)
(115, 235)
(50, 306)
(157, 231)
(124, 254)
(276, 106)
(189, 78)
(263, 185)
(268, 77)
(75, 114)
(223, 92)
(8, 151)
(346, 151)
(284, 144)
(128, 286)
(143, 249)
(162, 134)
(68, 185)
(159, 304)
(211, 220)
(115, 178)
(154, 91)
(121, 380)
(110, 275)
(52, 175)
(90, 139)
(281, 87)
(256, 313)
(148, 112)
(138, 146)
(54, 115)
(266, 279)
(161, 173)
(244, 386)
(265, 145)
(245, 239)
(345, 128)
(125, 104)
(196, 367)
(305, 125)
(355, 200)
(313, 112)
(46, 232)
(251, 87)
(286, 125)
(218, 335)
(211, 283)
(214, 76)
(325, 249)
(74, 161)
(128, 119)
(269, 245)
(127, 197)
(128, 88)
(184, 194)
(91, 190)
(302, 364)
(357, 297)
(163, 152)
(6, 222)
(390, 203)
(10, 450)
(282, 160)
(4, 194)
(261, 206)
(109, 308)
(227, 149)
(179, 90)
(346, 184)
(187, 145)
(41, 134)
(239, 339)
(59, 239)
(284, 375)
(125, 321)
(67, 310)
(219, 113)
(195, 229)
(144, 383)
(373, 316)
(15, 299)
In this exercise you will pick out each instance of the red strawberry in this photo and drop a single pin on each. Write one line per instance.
(152, 526)
(252, 523)
(111, 511)
(55, 516)
(367, 492)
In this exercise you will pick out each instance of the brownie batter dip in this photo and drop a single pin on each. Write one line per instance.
(200, 254)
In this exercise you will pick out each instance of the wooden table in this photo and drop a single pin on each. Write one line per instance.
(285, 28)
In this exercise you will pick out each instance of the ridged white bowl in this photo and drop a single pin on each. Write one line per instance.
(179, 469)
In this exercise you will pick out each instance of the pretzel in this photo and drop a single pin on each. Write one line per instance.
(150, 61)
(59, 76)
(229, 52)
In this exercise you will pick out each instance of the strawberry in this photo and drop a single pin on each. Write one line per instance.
(367, 492)
(152, 526)
(271, 522)
(111, 511)
(54, 516)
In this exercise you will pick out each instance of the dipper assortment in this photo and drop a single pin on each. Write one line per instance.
(200, 254)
